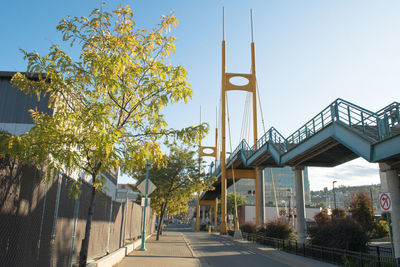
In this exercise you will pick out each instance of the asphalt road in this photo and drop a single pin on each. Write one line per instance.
(213, 251)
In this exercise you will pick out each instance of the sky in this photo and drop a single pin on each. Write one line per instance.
(308, 53)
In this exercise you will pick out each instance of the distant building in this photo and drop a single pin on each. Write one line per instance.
(284, 187)
(15, 119)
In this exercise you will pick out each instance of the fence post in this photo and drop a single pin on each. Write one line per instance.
(53, 260)
(42, 219)
(304, 249)
(109, 228)
(378, 254)
(76, 213)
(361, 260)
(322, 253)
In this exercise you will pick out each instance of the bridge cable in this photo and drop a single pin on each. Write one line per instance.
(245, 131)
(270, 169)
(233, 173)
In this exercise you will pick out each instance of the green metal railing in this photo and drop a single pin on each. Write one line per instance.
(372, 256)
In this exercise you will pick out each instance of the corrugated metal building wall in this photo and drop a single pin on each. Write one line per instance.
(15, 106)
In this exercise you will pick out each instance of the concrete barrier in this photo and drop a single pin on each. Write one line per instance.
(116, 256)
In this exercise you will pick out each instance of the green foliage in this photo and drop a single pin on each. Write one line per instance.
(322, 217)
(230, 203)
(380, 229)
(278, 229)
(342, 233)
(107, 104)
(177, 180)
(249, 227)
(362, 210)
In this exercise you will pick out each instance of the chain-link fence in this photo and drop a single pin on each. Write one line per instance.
(42, 225)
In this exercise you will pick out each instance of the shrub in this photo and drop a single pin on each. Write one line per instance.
(343, 234)
(322, 218)
(249, 227)
(278, 229)
(203, 227)
(380, 229)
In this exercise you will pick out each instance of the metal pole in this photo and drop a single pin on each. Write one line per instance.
(334, 193)
(143, 248)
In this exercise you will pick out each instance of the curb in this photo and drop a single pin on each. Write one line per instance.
(116, 256)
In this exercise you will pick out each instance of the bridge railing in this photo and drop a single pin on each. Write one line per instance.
(374, 125)
(356, 117)
(359, 119)
(242, 146)
(272, 136)
(390, 117)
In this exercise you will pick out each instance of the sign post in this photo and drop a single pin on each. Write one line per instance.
(385, 202)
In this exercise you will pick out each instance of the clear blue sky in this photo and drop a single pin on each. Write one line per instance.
(308, 54)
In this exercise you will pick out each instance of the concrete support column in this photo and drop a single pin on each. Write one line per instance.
(216, 215)
(300, 208)
(261, 197)
(203, 214)
(384, 186)
(393, 183)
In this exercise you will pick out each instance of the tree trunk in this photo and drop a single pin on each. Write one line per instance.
(161, 224)
(85, 242)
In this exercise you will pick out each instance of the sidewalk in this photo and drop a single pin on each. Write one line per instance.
(171, 250)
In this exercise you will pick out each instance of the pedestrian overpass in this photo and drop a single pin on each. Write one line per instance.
(339, 133)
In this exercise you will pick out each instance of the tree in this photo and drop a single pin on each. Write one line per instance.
(362, 211)
(107, 103)
(176, 180)
(230, 203)
(338, 214)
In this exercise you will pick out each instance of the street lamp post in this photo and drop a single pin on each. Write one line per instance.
(334, 193)
(289, 198)
(143, 248)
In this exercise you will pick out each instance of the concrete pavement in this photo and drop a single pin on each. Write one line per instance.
(171, 250)
(180, 246)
